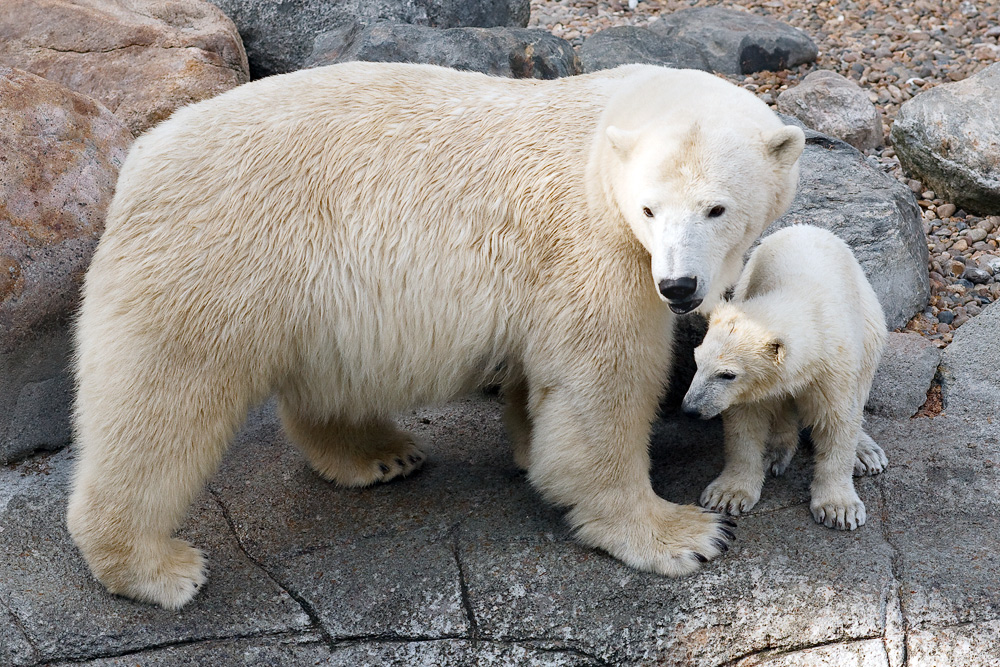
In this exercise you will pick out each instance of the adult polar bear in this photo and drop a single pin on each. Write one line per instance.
(363, 238)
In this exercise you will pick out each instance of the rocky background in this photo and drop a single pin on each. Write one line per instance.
(901, 102)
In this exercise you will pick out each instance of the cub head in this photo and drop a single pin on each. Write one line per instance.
(696, 195)
(739, 361)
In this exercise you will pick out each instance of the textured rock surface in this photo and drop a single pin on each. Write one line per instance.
(736, 42)
(904, 376)
(59, 160)
(279, 36)
(834, 105)
(511, 52)
(142, 59)
(627, 44)
(949, 138)
(875, 214)
(971, 366)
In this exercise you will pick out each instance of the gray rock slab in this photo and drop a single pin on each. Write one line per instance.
(737, 42)
(971, 367)
(947, 138)
(942, 495)
(859, 653)
(295, 649)
(970, 645)
(15, 649)
(904, 375)
(511, 52)
(836, 106)
(624, 45)
(67, 614)
(876, 215)
(458, 653)
(279, 36)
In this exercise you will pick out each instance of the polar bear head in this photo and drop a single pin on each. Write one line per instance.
(739, 361)
(697, 179)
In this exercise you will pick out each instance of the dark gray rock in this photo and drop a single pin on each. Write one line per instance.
(736, 42)
(58, 168)
(836, 106)
(66, 614)
(14, 647)
(623, 45)
(510, 52)
(457, 653)
(875, 214)
(971, 366)
(908, 366)
(946, 137)
(279, 36)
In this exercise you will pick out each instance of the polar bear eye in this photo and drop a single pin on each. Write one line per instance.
(648, 212)
(716, 211)
(726, 376)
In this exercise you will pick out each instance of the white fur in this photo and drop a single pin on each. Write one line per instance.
(802, 337)
(364, 238)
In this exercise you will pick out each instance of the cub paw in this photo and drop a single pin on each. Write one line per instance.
(777, 461)
(399, 463)
(731, 496)
(669, 539)
(869, 458)
(843, 511)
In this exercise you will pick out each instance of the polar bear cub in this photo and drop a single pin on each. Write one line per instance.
(799, 342)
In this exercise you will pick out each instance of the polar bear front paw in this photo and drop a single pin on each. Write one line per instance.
(662, 537)
(869, 458)
(169, 579)
(731, 495)
(843, 511)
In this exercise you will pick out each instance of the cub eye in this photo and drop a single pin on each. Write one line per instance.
(726, 376)
(716, 211)
(648, 212)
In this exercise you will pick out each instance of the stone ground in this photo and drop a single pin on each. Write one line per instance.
(894, 49)
(463, 564)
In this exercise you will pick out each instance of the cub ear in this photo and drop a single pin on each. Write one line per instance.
(776, 350)
(623, 141)
(785, 145)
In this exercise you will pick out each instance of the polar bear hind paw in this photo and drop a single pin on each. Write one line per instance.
(869, 458)
(846, 514)
(169, 581)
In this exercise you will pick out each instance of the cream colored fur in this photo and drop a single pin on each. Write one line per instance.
(800, 341)
(364, 238)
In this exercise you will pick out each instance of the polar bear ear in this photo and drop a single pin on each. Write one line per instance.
(623, 141)
(785, 145)
(776, 348)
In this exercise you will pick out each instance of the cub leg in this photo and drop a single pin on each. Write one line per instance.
(352, 453)
(518, 422)
(784, 439)
(835, 503)
(143, 455)
(590, 452)
(869, 459)
(737, 489)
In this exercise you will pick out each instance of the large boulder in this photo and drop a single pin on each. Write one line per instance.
(970, 368)
(737, 42)
(947, 137)
(510, 52)
(908, 367)
(836, 106)
(623, 45)
(58, 169)
(140, 59)
(279, 36)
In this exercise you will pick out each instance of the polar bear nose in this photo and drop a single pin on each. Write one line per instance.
(678, 289)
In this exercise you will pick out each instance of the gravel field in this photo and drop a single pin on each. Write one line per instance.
(893, 50)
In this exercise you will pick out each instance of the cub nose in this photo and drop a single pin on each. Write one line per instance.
(679, 289)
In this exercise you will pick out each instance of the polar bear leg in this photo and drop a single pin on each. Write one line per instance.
(144, 454)
(737, 489)
(835, 503)
(870, 459)
(590, 451)
(784, 439)
(352, 454)
(518, 421)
